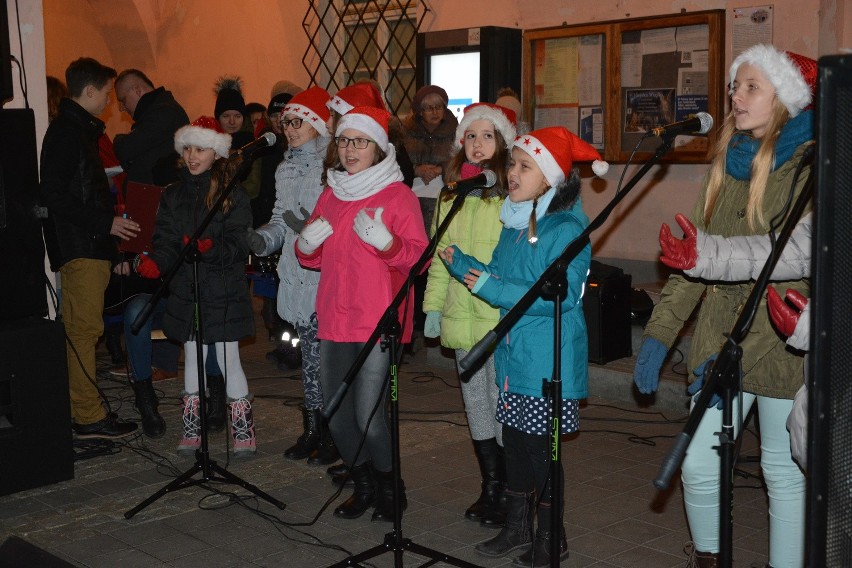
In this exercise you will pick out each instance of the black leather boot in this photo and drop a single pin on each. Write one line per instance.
(364, 496)
(340, 475)
(539, 553)
(217, 402)
(326, 452)
(112, 339)
(517, 533)
(384, 496)
(147, 403)
(310, 438)
(490, 508)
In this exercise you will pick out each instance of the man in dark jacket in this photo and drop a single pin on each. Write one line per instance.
(79, 234)
(147, 152)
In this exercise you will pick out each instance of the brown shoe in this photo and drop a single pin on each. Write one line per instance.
(161, 375)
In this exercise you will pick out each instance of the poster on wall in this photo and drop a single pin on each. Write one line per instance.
(750, 26)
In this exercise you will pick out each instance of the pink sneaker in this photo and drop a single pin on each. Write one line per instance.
(191, 440)
(242, 427)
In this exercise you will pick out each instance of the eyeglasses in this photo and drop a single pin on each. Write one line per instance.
(296, 123)
(359, 143)
(432, 108)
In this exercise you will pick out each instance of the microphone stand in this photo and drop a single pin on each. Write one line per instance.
(724, 375)
(390, 328)
(553, 285)
(210, 470)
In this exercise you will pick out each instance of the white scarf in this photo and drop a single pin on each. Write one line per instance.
(355, 187)
(517, 215)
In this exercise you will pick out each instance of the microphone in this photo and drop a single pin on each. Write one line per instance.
(700, 123)
(264, 141)
(464, 186)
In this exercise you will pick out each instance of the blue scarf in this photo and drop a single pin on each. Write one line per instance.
(742, 147)
(517, 215)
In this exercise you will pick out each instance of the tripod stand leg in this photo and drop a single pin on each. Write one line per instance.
(178, 483)
(231, 478)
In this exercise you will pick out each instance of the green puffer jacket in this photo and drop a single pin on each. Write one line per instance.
(769, 367)
(475, 229)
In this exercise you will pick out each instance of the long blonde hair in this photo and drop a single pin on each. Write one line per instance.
(761, 165)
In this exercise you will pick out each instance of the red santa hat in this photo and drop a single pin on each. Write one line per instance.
(371, 121)
(309, 105)
(792, 75)
(204, 132)
(359, 94)
(555, 149)
(502, 118)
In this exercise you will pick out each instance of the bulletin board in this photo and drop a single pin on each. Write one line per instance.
(610, 82)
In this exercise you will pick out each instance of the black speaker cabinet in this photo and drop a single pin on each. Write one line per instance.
(35, 411)
(829, 526)
(606, 304)
(22, 277)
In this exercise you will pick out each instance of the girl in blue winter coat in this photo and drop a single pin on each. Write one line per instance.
(541, 216)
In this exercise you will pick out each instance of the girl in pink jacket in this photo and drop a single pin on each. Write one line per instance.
(364, 235)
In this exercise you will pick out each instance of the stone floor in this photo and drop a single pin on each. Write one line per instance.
(614, 516)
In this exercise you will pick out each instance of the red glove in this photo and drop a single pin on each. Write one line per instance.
(679, 254)
(147, 268)
(783, 316)
(203, 244)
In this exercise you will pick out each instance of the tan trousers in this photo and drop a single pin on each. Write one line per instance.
(84, 281)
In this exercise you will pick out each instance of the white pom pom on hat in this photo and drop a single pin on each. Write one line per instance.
(555, 149)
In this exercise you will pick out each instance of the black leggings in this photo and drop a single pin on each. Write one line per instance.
(350, 419)
(528, 464)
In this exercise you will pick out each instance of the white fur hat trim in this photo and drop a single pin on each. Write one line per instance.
(366, 125)
(492, 115)
(790, 87)
(201, 137)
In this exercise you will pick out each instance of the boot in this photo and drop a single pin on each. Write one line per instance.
(487, 506)
(517, 533)
(326, 453)
(340, 475)
(216, 403)
(364, 496)
(384, 496)
(310, 438)
(191, 440)
(698, 559)
(496, 515)
(539, 553)
(242, 427)
(147, 403)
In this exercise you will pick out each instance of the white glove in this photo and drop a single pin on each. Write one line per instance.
(372, 231)
(313, 235)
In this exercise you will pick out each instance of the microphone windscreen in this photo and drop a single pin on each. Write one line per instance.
(271, 138)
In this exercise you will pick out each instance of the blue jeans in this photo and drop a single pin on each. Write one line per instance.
(143, 353)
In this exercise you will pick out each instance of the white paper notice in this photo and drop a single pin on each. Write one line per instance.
(751, 26)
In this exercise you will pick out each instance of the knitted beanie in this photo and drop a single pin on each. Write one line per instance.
(502, 118)
(792, 75)
(555, 149)
(278, 102)
(204, 132)
(371, 121)
(310, 106)
(229, 96)
(423, 92)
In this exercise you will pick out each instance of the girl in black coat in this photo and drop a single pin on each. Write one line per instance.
(225, 307)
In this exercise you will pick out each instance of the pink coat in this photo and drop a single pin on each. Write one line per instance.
(358, 282)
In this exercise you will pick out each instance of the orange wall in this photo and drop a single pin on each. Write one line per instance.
(186, 44)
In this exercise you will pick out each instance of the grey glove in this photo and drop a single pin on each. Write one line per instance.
(294, 222)
(255, 242)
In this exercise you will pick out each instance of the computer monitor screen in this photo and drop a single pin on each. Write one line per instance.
(458, 74)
